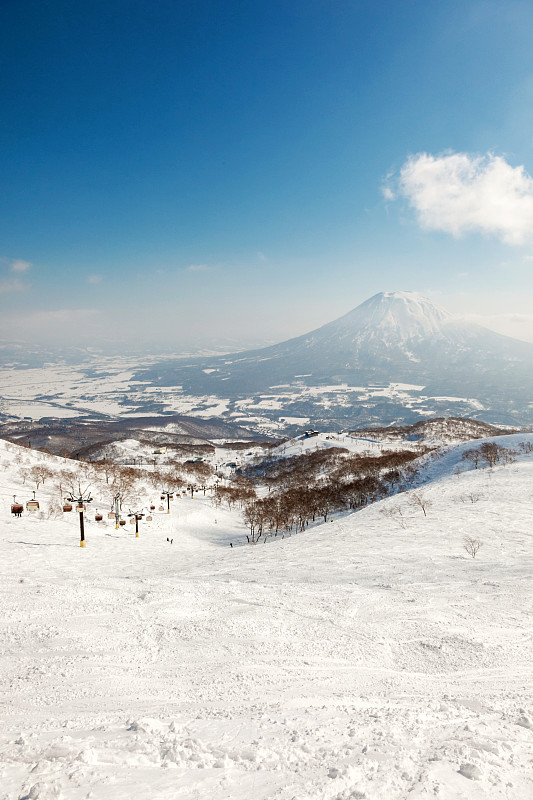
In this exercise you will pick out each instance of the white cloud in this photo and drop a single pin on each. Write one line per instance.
(514, 324)
(94, 279)
(18, 265)
(197, 268)
(460, 193)
(12, 285)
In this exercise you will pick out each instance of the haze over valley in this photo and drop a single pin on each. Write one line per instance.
(396, 358)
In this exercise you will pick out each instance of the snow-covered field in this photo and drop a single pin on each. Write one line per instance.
(108, 386)
(369, 657)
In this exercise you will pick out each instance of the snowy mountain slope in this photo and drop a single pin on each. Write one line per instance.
(435, 432)
(350, 442)
(89, 438)
(362, 659)
(394, 337)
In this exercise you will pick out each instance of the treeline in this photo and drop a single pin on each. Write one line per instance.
(278, 471)
(110, 479)
(489, 454)
(305, 488)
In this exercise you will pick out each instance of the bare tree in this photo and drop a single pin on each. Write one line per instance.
(107, 468)
(491, 453)
(473, 497)
(472, 545)
(472, 455)
(124, 485)
(24, 474)
(253, 517)
(66, 480)
(508, 455)
(394, 513)
(419, 500)
(39, 473)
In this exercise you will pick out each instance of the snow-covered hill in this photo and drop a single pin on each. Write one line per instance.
(435, 432)
(370, 657)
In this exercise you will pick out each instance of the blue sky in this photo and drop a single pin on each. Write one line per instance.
(174, 172)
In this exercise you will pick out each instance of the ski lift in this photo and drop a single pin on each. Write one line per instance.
(67, 507)
(16, 508)
(98, 517)
(32, 505)
(132, 520)
(148, 518)
(80, 507)
(171, 497)
(162, 497)
(161, 508)
(152, 508)
(111, 515)
(122, 522)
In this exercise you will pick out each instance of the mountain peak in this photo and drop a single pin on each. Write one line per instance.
(399, 296)
(396, 315)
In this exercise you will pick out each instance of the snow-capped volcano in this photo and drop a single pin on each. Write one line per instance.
(392, 338)
(394, 317)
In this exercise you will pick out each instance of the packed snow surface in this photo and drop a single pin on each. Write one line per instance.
(369, 657)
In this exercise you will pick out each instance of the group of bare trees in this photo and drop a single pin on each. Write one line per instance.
(111, 479)
(489, 454)
(35, 475)
(233, 495)
(305, 488)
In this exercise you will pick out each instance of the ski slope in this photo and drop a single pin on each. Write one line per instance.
(355, 445)
(369, 657)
